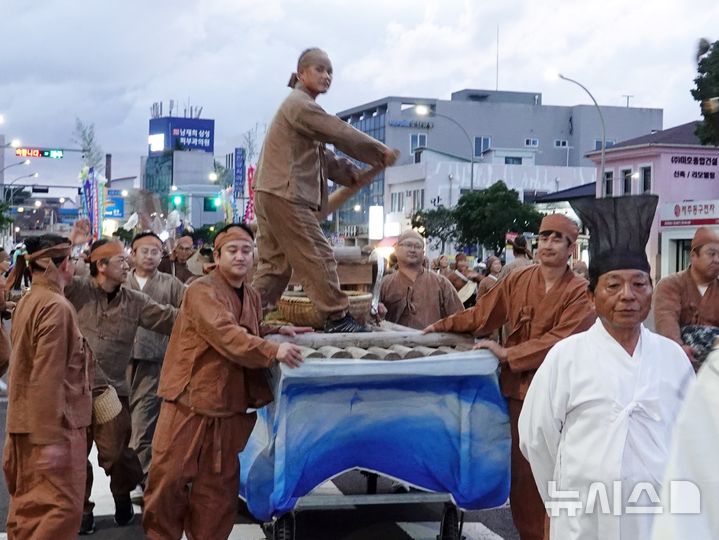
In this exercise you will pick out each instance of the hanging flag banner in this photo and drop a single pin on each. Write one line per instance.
(250, 207)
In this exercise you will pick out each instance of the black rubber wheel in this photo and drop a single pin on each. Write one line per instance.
(449, 527)
(284, 528)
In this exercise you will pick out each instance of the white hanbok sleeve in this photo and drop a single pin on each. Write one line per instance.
(691, 481)
(542, 419)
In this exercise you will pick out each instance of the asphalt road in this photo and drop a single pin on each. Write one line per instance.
(386, 522)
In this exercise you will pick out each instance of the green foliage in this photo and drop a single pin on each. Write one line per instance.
(707, 87)
(437, 225)
(5, 216)
(225, 176)
(125, 236)
(206, 233)
(485, 217)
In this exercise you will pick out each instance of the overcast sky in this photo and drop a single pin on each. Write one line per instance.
(106, 62)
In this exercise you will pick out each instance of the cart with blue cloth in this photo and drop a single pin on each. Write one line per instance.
(436, 423)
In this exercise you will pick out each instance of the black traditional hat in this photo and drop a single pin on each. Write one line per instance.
(619, 229)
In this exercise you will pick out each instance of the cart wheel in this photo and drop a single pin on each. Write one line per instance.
(449, 528)
(284, 528)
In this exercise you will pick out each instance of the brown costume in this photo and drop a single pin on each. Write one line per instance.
(290, 185)
(419, 303)
(536, 320)
(678, 302)
(49, 402)
(176, 269)
(517, 262)
(210, 376)
(487, 283)
(109, 325)
(147, 354)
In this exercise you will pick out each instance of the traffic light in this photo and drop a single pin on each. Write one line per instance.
(217, 202)
(54, 153)
(176, 201)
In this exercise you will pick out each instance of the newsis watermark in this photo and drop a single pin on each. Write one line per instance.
(684, 498)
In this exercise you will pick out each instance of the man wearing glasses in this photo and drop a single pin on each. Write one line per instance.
(175, 264)
(541, 304)
(149, 348)
(109, 315)
(414, 296)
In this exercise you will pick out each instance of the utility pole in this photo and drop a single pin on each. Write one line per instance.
(627, 96)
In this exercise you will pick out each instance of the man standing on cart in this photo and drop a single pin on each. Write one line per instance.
(541, 304)
(291, 185)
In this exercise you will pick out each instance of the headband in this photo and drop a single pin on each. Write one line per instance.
(233, 233)
(107, 251)
(560, 223)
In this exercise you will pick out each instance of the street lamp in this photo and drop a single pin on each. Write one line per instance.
(15, 143)
(424, 110)
(601, 120)
(12, 194)
(213, 177)
(26, 162)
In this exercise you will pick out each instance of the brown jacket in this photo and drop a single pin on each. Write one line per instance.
(677, 303)
(110, 327)
(215, 354)
(294, 163)
(537, 320)
(176, 269)
(163, 289)
(51, 367)
(418, 303)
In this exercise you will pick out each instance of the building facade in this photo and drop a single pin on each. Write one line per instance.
(491, 127)
(674, 165)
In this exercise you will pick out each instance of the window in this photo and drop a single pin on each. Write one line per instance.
(646, 176)
(397, 202)
(608, 144)
(417, 140)
(510, 160)
(560, 143)
(627, 181)
(608, 183)
(531, 142)
(481, 144)
(417, 199)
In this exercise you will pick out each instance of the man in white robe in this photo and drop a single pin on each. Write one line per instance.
(597, 420)
(690, 493)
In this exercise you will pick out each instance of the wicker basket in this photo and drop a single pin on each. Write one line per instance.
(299, 310)
(106, 405)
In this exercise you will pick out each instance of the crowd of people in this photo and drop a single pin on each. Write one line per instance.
(162, 369)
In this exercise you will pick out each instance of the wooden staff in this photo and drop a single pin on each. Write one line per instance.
(345, 193)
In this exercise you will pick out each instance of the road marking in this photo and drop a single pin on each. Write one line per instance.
(429, 530)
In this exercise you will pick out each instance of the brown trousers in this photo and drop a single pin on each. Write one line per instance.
(114, 455)
(195, 474)
(289, 238)
(528, 512)
(44, 503)
(144, 409)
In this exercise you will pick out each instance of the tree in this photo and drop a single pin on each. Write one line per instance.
(485, 217)
(251, 140)
(437, 224)
(707, 91)
(92, 154)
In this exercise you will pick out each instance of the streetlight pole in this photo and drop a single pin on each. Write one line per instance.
(31, 175)
(26, 162)
(423, 110)
(601, 120)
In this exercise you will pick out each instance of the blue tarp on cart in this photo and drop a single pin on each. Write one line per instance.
(438, 423)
